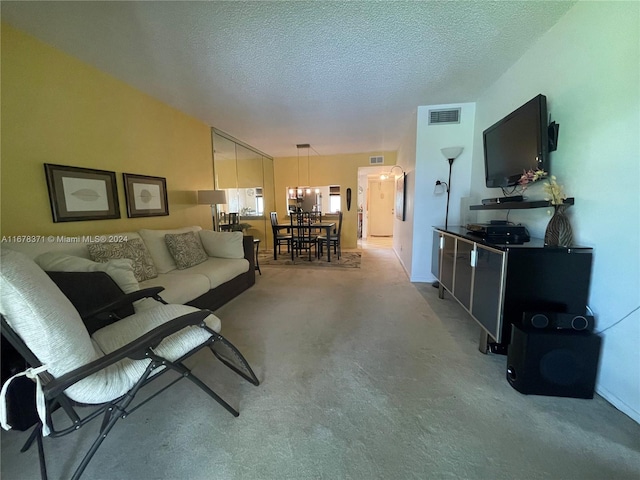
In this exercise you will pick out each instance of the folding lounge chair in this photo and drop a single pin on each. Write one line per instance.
(107, 368)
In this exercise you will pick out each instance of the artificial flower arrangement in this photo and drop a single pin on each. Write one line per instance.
(554, 191)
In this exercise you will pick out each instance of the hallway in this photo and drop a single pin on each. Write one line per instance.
(375, 243)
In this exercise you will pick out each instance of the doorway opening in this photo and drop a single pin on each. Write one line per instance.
(375, 208)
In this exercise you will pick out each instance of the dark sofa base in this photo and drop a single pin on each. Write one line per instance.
(217, 297)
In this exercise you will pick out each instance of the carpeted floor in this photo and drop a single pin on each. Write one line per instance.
(348, 259)
(365, 376)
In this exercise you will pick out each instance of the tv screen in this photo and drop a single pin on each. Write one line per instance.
(517, 143)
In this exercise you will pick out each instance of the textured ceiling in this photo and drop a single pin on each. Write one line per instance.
(341, 76)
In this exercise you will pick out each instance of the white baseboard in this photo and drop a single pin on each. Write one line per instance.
(619, 404)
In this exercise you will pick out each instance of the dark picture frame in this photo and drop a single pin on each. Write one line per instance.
(401, 185)
(78, 194)
(146, 196)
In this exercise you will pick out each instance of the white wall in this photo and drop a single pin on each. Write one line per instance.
(431, 165)
(403, 231)
(588, 67)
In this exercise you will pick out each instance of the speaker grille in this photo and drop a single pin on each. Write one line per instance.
(560, 367)
(579, 323)
(539, 320)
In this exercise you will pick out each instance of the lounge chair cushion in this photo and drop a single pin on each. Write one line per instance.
(46, 320)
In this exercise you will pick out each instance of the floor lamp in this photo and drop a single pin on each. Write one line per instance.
(213, 198)
(450, 153)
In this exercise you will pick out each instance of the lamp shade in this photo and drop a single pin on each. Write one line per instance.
(212, 197)
(451, 152)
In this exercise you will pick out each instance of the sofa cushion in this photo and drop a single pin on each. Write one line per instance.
(222, 244)
(186, 249)
(182, 287)
(135, 249)
(155, 242)
(217, 270)
(120, 270)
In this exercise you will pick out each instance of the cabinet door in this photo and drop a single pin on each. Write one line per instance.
(488, 290)
(435, 254)
(463, 273)
(448, 261)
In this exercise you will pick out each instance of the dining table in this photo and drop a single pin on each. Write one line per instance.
(327, 226)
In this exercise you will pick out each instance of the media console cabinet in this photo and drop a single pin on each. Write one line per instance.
(497, 283)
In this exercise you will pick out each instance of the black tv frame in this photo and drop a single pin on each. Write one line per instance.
(542, 141)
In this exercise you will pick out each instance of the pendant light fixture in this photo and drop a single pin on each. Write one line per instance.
(301, 192)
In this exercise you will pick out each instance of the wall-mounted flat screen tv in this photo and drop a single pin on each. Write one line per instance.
(517, 143)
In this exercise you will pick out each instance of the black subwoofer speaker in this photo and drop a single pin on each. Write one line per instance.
(560, 363)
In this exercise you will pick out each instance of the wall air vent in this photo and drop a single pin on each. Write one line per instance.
(443, 117)
(376, 160)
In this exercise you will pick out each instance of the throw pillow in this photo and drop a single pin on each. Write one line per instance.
(222, 244)
(155, 242)
(186, 249)
(120, 270)
(134, 249)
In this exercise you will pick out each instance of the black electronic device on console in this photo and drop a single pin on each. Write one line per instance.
(500, 233)
(492, 201)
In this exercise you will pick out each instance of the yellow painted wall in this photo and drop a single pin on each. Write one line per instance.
(57, 109)
(341, 169)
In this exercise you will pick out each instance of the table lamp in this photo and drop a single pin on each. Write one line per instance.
(213, 198)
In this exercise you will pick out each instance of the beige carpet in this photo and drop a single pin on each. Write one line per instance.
(365, 376)
(349, 259)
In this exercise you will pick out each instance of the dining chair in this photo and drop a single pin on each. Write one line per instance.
(334, 239)
(303, 236)
(315, 216)
(278, 237)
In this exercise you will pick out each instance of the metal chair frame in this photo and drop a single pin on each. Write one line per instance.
(303, 237)
(334, 239)
(280, 238)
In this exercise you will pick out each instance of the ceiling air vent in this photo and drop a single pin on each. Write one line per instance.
(448, 116)
(376, 160)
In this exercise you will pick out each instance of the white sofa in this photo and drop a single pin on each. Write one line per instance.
(227, 271)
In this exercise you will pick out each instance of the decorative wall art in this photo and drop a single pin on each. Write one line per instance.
(146, 196)
(79, 194)
(401, 184)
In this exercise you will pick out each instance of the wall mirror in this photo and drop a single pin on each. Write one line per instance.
(246, 174)
(248, 202)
